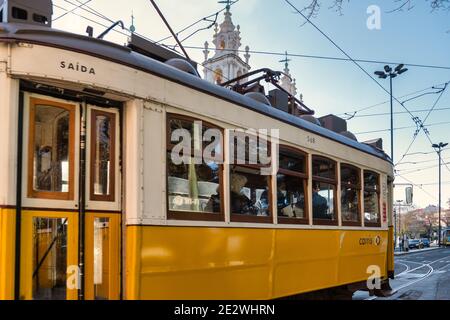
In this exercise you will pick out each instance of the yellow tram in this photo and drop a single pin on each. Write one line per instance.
(92, 206)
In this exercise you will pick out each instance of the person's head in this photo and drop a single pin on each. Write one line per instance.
(238, 182)
(316, 188)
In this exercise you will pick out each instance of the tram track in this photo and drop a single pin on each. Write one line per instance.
(431, 271)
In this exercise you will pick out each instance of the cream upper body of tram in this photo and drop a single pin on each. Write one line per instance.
(137, 239)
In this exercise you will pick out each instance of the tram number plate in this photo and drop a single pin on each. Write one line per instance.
(311, 140)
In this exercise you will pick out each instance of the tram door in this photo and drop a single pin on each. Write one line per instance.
(50, 219)
(103, 214)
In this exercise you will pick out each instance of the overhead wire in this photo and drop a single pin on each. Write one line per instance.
(418, 186)
(117, 31)
(77, 7)
(419, 123)
(416, 133)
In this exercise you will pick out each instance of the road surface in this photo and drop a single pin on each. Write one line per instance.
(419, 276)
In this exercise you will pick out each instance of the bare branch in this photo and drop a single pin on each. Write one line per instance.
(312, 10)
(337, 6)
(404, 3)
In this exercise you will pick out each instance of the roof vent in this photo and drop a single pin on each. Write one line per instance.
(258, 96)
(36, 12)
(311, 119)
(279, 99)
(349, 135)
(334, 123)
(182, 65)
(376, 143)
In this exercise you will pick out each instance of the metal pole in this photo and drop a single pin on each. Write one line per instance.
(392, 121)
(395, 228)
(399, 224)
(440, 195)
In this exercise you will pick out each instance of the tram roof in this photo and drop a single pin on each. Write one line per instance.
(121, 54)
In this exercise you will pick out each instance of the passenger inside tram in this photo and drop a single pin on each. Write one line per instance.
(320, 204)
(291, 197)
(249, 196)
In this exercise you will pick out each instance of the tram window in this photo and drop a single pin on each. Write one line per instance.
(250, 150)
(249, 195)
(194, 183)
(292, 182)
(324, 191)
(102, 176)
(51, 150)
(324, 168)
(372, 198)
(250, 182)
(49, 258)
(350, 195)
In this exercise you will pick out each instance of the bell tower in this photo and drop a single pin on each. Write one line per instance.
(225, 64)
(288, 83)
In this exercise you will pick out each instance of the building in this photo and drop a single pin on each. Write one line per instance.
(226, 63)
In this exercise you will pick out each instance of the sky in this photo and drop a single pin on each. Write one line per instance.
(417, 36)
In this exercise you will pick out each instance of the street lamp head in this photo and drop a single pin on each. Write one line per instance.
(443, 145)
(381, 74)
(393, 75)
(387, 69)
(399, 67)
(436, 146)
(401, 71)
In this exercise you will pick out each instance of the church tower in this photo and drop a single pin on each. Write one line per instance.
(226, 64)
(287, 82)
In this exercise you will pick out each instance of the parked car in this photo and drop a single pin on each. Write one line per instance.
(425, 242)
(415, 244)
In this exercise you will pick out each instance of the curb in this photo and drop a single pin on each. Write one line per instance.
(415, 251)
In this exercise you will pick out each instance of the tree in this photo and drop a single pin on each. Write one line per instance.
(312, 10)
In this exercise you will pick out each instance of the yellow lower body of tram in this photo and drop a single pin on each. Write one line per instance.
(213, 263)
(206, 263)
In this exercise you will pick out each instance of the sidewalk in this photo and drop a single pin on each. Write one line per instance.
(400, 253)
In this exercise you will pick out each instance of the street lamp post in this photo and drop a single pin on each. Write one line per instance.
(391, 73)
(439, 148)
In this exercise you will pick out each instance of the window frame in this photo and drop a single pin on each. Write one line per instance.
(187, 215)
(378, 192)
(304, 177)
(358, 188)
(335, 183)
(50, 195)
(240, 218)
(112, 170)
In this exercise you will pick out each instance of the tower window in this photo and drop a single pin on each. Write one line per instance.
(218, 76)
(18, 13)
